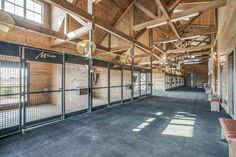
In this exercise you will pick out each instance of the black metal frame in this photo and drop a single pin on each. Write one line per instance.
(20, 51)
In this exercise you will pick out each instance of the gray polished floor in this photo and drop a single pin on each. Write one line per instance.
(172, 124)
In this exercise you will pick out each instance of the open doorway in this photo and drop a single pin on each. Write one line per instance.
(231, 83)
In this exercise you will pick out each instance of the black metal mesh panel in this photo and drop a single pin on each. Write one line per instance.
(9, 91)
(43, 95)
(143, 83)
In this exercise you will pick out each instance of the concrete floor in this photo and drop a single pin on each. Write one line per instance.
(175, 124)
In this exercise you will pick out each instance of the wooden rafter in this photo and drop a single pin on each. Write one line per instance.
(117, 22)
(182, 50)
(210, 30)
(178, 16)
(161, 4)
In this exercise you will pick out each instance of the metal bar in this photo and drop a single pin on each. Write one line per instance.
(139, 84)
(63, 88)
(109, 84)
(24, 76)
(132, 73)
(90, 83)
(151, 80)
(146, 80)
(20, 88)
(122, 81)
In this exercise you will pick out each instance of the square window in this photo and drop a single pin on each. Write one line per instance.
(38, 8)
(30, 5)
(29, 15)
(19, 11)
(19, 2)
(38, 18)
(9, 7)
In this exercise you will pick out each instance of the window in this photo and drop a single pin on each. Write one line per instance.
(14, 7)
(30, 9)
(34, 11)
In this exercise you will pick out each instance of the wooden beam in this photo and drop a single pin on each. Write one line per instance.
(173, 5)
(118, 21)
(145, 10)
(182, 50)
(140, 34)
(159, 49)
(73, 35)
(195, 1)
(72, 9)
(28, 25)
(176, 17)
(182, 29)
(164, 10)
(185, 36)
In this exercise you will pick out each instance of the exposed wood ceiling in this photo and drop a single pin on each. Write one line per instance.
(168, 29)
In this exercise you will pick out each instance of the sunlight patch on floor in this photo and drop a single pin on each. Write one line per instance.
(181, 125)
(144, 124)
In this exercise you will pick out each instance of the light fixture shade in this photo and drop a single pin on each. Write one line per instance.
(83, 47)
(7, 24)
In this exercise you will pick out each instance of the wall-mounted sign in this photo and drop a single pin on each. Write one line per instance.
(42, 56)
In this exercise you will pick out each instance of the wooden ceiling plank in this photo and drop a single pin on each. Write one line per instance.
(117, 22)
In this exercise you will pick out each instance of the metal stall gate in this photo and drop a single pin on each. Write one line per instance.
(76, 85)
(149, 82)
(10, 88)
(100, 90)
(127, 88)
(136, 82)
(42, 86)
(143, 83)
(115, 80)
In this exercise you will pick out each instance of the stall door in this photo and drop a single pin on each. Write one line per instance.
(143, 83)
(115, 83)
(43, 86)
(76, 85)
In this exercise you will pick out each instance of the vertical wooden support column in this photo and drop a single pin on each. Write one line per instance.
(90, 60)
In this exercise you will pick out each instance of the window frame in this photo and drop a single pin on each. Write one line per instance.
(25, 9)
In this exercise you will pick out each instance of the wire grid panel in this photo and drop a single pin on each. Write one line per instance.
(10, 83)
(136, 83)
(43, 91)
(143, 82)
(76, 87)
(100, 86)
(126, 84)
(115, 82)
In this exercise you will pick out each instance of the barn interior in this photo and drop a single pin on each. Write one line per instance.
(117, 78)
